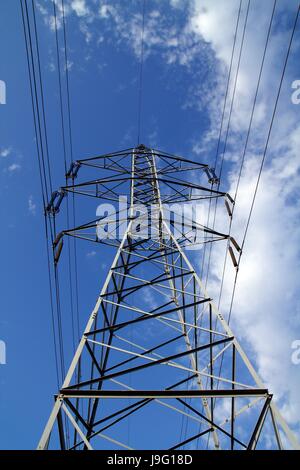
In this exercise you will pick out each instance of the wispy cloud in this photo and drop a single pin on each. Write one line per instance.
(5, 152)
(77, 7)
(123, 21)
(31, 205)
(14, 167)
(80, 7)
(266, 310)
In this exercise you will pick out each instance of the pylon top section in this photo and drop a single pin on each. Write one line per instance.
(146, 177)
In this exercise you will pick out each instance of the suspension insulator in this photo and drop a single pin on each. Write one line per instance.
(213, 177)
(207, 173)
(233, 258)
(55, 202)
(73, 170)
(230, 198)
(57, 252)
(228, 208)
(235, 244)
(60, 196)
(57, 239)
(50, 207)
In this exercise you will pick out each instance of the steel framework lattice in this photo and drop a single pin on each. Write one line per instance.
(156, 352)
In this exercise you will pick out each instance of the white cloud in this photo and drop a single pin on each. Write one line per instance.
(31, 205)
(14, 167)
(69, 65)
(80, 7)
(206, 19)
(105, 10)
(161, 34)
(177, 3)
(49, 18)
(91, 254)
(266, 312)
(51, 66)
(85, 30)
(5, 152)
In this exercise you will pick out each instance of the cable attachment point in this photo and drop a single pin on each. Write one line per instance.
(229, 211)
(57, 247)
(232, 255)
(229, 207)
(211, 175)
(235, 244)
(230, 198)
(73, 170)
(55, 202)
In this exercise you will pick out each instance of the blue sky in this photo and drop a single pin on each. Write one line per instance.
(187, 56)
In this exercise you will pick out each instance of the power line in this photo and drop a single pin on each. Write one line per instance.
(244, 154)
(234, 88)
(229, 119)
(228, 81)
(247, 140)
(39, 144)
(67, 80)
(60, 86)
(35, 101)
(141, 74)
(71, 290)
(76, 271)
(42, 96)
(264, 154)
(265, 148)
(74, 317)
(69, 121)
(217, 152)
(228, 124)
(71, 158)
(70, 281)
(52, 307)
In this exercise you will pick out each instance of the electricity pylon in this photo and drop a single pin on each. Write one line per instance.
(156, 352)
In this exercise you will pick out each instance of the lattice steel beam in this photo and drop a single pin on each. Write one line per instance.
(150, 292)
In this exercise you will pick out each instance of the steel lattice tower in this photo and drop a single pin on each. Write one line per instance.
(156, 349)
